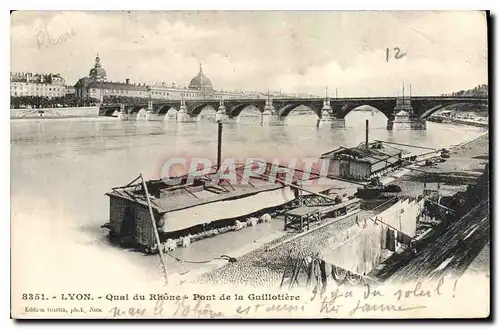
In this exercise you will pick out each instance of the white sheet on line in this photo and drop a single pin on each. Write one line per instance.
(210, 212)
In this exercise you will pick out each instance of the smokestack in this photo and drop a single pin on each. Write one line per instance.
(219, 144)
(366, 132)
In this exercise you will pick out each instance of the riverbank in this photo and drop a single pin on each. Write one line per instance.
(62, 170)
(262, 267)
(463, 244)
(465, 241)
(464, 166)
(55, 113)
(62, 119)
(478, 122)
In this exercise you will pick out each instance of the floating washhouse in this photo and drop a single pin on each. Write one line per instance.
(197, 206)
(362, 162)
(189, 207)
(200, 204)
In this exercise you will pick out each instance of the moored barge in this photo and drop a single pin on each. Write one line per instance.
(199, 207)
(188, 208)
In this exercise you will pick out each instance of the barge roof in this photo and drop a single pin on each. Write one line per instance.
(306, 210)
(334, 186)
(172, 203)
(184, 201)
(363, 154)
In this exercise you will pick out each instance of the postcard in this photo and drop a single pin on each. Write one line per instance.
(249, 164)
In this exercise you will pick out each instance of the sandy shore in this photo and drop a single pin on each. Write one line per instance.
(444, 255)
(465, 165)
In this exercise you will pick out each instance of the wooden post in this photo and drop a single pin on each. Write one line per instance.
(157, 236)
(219, 145)
(366, 133)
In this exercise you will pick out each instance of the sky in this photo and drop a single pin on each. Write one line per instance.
(292, 51)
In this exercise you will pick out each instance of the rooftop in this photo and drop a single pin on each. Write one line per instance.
(91, 83)
(118, 85)
(201, 82)
(170, 203)
(375, 153)
(205, 189)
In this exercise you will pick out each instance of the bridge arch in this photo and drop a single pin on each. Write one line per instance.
(386, 107)
(136, 109)
(165, 108)
(108, 112)
(195, 109)
(432, 110)
(236, 110)
(207, 112)
(436, 108)
(287, 109)
(358, 116)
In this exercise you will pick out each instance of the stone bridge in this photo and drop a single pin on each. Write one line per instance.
(327, 109)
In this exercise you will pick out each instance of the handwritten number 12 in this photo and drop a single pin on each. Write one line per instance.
(397, 53)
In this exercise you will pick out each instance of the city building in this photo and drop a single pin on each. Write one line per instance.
(97, 73)
(96, 87)
(87, 88)
(37, 84)
(201, 84)
(200, 87)
(70, 90)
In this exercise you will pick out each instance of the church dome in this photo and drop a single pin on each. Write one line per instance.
(200, 82)
(97, 72)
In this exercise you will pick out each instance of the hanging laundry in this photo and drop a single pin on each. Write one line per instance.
(315, 272)
(390, 241)
(404, 239)
(383, 237)
(324, 272)
(339, 274)
(396, 242)
(353, 279)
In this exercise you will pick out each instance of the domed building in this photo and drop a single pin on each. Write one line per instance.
(97, 72)
(95, 87)
(201, 83)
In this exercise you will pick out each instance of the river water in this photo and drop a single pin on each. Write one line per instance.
(61, 169)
